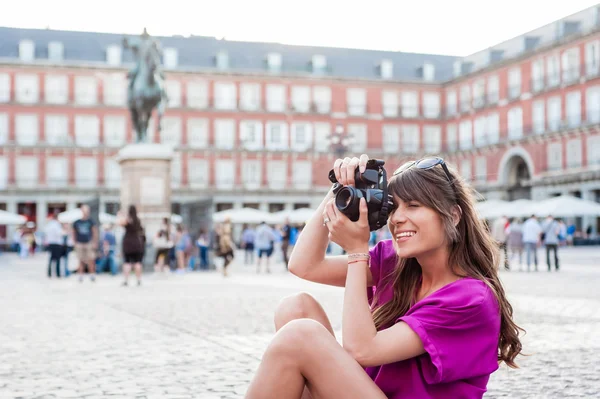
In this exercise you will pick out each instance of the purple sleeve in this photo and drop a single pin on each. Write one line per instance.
(459, 328)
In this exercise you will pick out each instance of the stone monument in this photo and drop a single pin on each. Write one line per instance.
(146, 166)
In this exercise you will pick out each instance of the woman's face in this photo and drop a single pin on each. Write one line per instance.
(416, 230)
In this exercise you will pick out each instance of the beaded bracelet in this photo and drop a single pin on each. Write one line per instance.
(359, 256)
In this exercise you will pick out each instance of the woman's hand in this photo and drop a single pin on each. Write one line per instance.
(352, 236)
(344, 169)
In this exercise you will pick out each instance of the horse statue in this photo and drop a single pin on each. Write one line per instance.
(146, 84)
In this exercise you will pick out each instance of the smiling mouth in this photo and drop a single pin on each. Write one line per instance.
(405, 236)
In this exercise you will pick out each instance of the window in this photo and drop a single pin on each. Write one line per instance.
(451, 137)
(27, 172)
(593, 150)
(515, 123)
(480, 127)
(57, 172)
(114, 130)
(26, 50)
(432, 105)
(276, 136)
(592, 104)
(390, 103)
(358, 133)
(570, 65)
(465, 98)
(222, 60)
(173, 89)
(410, 104)
(319, 63)
(251, 173)
(27, 90)
(113, 55)
(224, 173)
(451, 103)
(197, 131)
(3, 173)
(57, 129)
(386, 69)
(250, 96)
(26, 129)
(539, 117)
(197, 94)
(493, 89)
(574, 153)
(479, 93)
(4, 88)
(514, 83)
(465, 133)
(322, 133)
(493, 128)
(251, 135)
(198, 173)
(3, 128)
(277, 175)
(301, 137)
(552, 71)
(225, 96)
(87, 129)
(276, 98)
(554, 156)
(176, 169)
(554, 113)
(301, 98)
(302, 174)
(481, 169)
(592, 58)
(391, 139)
(115, 90)
(410, 139)
(224, 134)
(465, 169)
(537, 75)
(433, 139)
(85, 90)
(171, 131)
(322, 99)
(274, 62)
(112, 173)
(574, 108)
(86, 172)
(357, 101)
(170, 58)
(56, 89)
(56, 51)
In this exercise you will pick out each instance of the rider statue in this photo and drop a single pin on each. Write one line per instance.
(146, 83)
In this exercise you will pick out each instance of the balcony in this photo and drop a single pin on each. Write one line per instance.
(514, 92)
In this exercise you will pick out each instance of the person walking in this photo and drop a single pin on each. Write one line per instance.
(286, 231)
(248, 237)
(531, 239)
(53, 241)
(499, 234)
(85, 237)
(551, 231)
(134, 242)
(515, 241)
(265, 238)
(226, 246)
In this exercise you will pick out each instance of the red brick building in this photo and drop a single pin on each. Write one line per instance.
(252, 122)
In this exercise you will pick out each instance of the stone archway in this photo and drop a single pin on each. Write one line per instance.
(515, 173)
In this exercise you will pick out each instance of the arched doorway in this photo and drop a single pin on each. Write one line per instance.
(518, 179)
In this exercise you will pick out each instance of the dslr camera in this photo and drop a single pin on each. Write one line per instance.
(370, 185)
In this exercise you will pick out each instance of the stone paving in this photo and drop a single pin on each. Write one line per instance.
(199, 335)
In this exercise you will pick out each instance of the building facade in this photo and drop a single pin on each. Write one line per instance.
(254, 124)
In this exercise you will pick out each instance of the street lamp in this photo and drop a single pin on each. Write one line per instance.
(340, 141)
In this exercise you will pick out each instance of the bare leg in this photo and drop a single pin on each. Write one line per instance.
(138, 272)
(303, 353)
(126, 270)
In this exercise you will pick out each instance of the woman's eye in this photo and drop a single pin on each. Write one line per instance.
(413, 205)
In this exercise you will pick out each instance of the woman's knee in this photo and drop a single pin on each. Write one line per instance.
(296, 337)
(297, 306)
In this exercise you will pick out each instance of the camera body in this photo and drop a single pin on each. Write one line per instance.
(370, 185)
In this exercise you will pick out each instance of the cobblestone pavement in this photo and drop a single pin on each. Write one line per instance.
(199, 335)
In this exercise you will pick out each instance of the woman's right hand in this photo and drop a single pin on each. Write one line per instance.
(344, 169)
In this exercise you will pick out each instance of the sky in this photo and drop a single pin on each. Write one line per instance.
(459, 27)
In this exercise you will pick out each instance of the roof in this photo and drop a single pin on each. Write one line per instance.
(198, 52)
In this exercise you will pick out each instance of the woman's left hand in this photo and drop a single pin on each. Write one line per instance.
(353, 237)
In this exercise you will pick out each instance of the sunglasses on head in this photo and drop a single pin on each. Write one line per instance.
(426, 163)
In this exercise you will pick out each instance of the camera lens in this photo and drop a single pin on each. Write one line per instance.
(347, 201)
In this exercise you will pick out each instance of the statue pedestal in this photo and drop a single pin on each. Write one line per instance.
(146, 183)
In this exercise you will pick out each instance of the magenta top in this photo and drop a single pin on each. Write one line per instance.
(459, 325)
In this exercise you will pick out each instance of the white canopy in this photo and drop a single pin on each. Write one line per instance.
(295, 216)
(75, 214)
(11, 218)
(486, 208)
(244, 215)
(565, 206)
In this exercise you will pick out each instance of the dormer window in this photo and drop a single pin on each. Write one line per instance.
(386, 69)
(113, 55)
(319, 63)
(56, 51)
(428, 72)
(274, 62)
(170, 57)
(222, 60)
(27, 50)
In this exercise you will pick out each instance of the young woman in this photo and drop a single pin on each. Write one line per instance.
(424, 314)
(134, 242)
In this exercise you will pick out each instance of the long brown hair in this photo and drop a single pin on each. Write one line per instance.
(473, 252)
